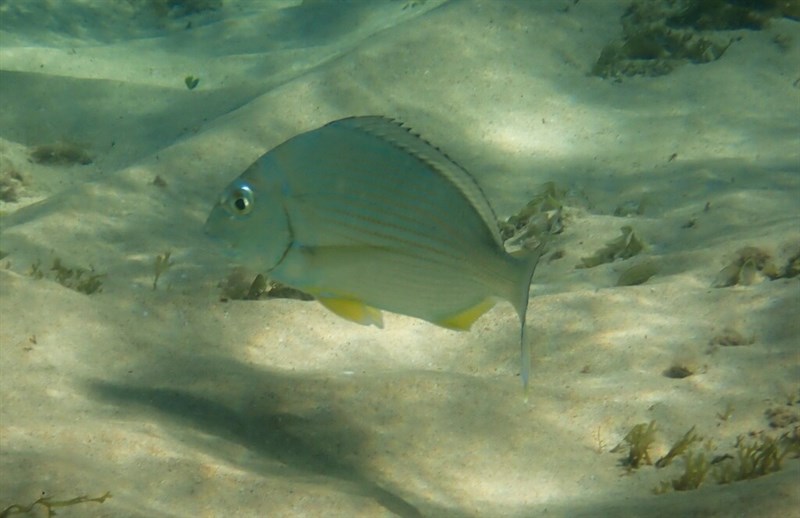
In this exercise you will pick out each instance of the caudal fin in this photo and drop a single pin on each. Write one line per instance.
(528, 266)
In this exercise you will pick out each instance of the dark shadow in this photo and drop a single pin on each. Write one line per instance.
(291, 445)
(114, 138)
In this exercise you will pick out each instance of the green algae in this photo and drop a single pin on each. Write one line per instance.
(161, 264)
(50, 505)
(191, 82)
(754, 458)
(757, 458)
(679, 448)
(751, 459)
(696, 467)
(638, 442)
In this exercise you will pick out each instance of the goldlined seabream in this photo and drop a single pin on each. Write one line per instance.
(366, 216)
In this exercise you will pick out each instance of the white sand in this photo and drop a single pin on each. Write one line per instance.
(181, 405)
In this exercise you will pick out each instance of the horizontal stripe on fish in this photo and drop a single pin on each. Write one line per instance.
(416, 288)
(422, 214)
(371, 178)
(398, 136)
(358, 223)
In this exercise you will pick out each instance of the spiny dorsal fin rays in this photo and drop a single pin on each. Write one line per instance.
(395, 133)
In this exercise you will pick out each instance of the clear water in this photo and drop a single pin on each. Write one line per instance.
(181, 404)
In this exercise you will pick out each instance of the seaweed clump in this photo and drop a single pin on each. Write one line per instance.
(752, 459)
(191, 82)
(161, 265)
(638, 442)
(538, 219)
(781, 416)
(82, 280)
(638, 273)
(723, 15)
(49, 504)
(730, 337)
(652, 45)
(623, 247)
(760, 457)
(752, 261)
(60, 153)
(660, 35)
(238, 287)
(679, 447)
(181, 8)
(791, 265)
(749, 260)
(630, 208)
(12, 182)
(696, 468)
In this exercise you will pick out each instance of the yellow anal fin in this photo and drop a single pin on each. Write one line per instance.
(464, 320)
(353, 310)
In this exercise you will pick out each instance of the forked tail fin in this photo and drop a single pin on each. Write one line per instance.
(529, 262)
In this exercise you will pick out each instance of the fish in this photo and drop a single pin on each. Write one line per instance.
(366, 216)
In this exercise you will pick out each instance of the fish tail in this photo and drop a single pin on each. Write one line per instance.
(528, 267)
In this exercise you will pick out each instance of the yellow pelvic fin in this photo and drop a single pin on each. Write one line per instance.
(353, 310)
(464, 320)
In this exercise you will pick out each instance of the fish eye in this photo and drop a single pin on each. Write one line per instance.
(240, 201)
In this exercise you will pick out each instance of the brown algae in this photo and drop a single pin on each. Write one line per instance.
(638, 273)
(82, 280)
(61, 153)
(624, 247)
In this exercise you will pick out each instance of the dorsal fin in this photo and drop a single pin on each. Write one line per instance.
(400, 136)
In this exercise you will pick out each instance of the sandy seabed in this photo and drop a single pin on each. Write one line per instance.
(180, 404)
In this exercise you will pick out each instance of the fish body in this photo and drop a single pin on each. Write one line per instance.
(366, 216)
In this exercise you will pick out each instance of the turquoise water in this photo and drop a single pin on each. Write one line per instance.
(181, 401)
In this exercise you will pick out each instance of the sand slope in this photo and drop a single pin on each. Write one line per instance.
(182, 405)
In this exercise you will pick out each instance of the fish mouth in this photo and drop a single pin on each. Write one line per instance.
(214, 224)
(212, 232)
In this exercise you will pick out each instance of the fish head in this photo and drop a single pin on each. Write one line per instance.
(251, 221)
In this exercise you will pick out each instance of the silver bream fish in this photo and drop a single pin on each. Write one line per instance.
(366, 216)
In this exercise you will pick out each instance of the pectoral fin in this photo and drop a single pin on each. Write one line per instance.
(463, 321)
(353, 310)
